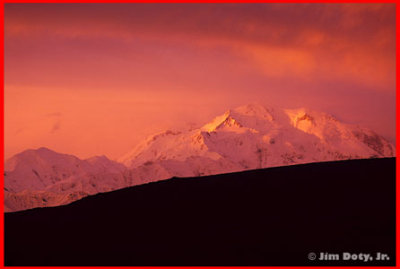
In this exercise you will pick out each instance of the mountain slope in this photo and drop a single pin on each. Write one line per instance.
(43, 177)
(248, 137)
(251, 137)
(273, 216)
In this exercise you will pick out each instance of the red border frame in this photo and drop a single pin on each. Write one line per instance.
(3, 2)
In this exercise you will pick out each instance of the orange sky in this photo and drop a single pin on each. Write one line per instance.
(90, 79)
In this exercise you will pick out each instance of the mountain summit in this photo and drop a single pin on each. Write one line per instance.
(251, 137)
(248, 137)
(42, 177)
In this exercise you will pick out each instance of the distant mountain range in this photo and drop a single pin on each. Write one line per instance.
(245, 138)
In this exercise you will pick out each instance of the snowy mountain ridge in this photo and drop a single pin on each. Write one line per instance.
(42, 177)
(248, 137)
(252, 136)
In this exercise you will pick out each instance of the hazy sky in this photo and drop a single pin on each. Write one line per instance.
(92, 79)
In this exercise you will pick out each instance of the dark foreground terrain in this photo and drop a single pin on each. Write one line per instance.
(273, 216)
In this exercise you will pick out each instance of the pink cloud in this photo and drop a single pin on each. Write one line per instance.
(148, 64)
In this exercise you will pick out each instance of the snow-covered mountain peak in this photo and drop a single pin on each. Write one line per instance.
(239, 133)
(39, 157)
(226, 120)
(42, 177)
(304, 114)
(325, 126)
(252, 117)
(247, 137)
(38, 153)
(36, 169)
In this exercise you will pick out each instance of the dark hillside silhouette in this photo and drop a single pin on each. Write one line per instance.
(274, 216)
